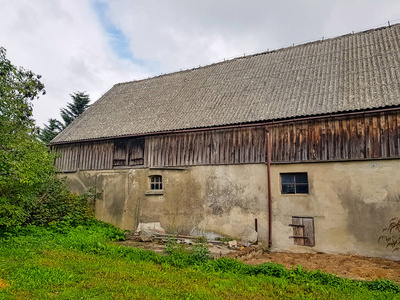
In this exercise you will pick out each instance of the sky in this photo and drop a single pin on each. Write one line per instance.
(90, 45)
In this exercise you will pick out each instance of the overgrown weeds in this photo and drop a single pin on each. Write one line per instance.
(182, 255)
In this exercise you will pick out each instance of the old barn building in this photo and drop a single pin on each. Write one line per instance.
(302, 143)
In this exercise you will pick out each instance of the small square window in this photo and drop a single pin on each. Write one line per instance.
(294, 183)
(156, 182)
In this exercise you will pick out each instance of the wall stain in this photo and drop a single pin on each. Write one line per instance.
(365, 219)
(222, 195)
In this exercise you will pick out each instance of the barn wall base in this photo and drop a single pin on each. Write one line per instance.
(349, 202)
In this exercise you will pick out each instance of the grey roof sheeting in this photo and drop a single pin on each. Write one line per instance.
(348, 73)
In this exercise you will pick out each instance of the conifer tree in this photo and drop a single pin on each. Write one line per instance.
(80, 102)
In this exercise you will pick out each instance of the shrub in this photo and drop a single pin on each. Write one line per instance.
(199, 252)
(181, 255)
(173, 248)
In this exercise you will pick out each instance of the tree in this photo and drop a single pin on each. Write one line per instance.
(30, 191)
(24, 162)
(51, 130)
(18, 87)
(75, 108)
(80, 102)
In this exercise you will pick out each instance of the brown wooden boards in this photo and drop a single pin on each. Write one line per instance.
(348, 137)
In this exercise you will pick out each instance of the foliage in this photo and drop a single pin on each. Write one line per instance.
(80, 102)
(57, 204)
(199, 251)
(174, 248)
(17, 88)
(25, 163)
(30, 192)
(51, 130)
(181, 254)
(52, 202)
(77, 262)
(224, 239)
(392, 237)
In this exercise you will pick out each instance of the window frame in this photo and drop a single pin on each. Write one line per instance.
(153, 183)
(156, 183)
(293, 183)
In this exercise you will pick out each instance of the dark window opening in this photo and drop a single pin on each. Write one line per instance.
(303, 231)
(156, 182)
(294, 183)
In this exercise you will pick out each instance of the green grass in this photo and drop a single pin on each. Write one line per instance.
(78, 263)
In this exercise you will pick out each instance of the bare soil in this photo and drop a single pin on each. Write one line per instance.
(347, 266)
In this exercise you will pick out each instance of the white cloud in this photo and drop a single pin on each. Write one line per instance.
(183, 34)
(360, 15)
(64, 41)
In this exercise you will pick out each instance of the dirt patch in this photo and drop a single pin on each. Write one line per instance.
(157, 246)
(347, 266)
(3, 284)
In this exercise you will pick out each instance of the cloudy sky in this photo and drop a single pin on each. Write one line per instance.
(90, 45)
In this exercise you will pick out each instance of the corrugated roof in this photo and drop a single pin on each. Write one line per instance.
(348, 73)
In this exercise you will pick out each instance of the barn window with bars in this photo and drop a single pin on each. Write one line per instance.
(156, 183)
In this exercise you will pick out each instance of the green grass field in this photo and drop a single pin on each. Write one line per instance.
(78, 263)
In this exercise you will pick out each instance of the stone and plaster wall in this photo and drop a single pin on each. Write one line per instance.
(351, 202)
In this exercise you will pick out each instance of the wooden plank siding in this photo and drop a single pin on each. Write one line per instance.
(351, 137)
(211, 147)
(67, 159)
(84, 156)
(341, 138)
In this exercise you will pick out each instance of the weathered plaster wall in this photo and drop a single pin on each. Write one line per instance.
(233, 197)
(351, 202)
(205, 198)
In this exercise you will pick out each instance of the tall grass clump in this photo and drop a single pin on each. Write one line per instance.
(182, 255)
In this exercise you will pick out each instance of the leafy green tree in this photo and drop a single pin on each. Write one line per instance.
(80, 102)
(24, 162)
(29, 189)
